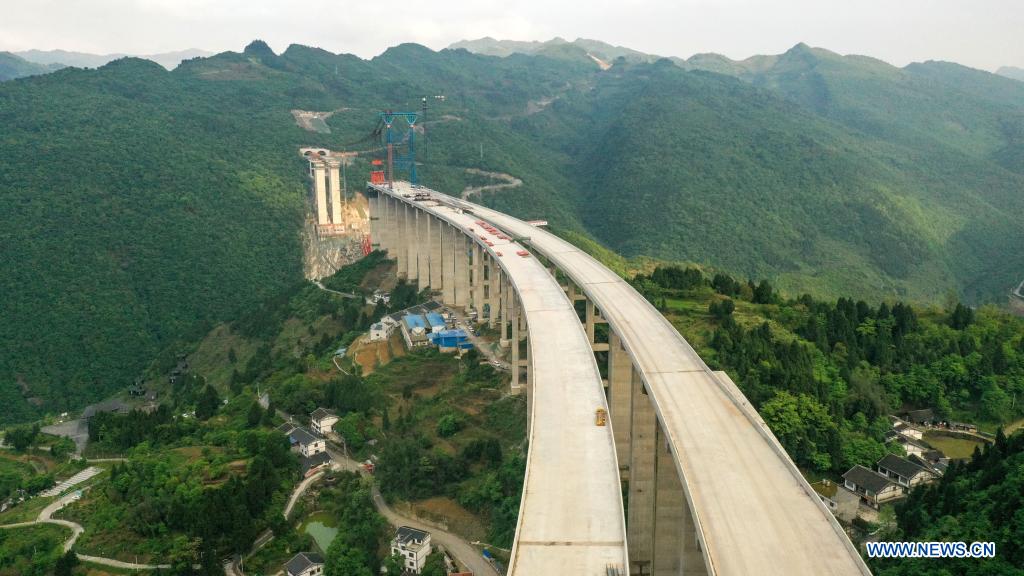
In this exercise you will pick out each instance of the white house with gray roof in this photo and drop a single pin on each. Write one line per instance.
(413, 546)
(305, 564)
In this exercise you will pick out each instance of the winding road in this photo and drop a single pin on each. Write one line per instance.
(46, 517)
(508, 181)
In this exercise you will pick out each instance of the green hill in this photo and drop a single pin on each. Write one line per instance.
(688, 165)
(144, 205)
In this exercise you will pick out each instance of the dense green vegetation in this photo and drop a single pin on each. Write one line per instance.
(975, 501)
(191, 492)
(825, 375)
(178, 200)
(32, 550)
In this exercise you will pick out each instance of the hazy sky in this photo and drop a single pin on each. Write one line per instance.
(983, 33)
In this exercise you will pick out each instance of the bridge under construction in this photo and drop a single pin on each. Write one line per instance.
(683, 477)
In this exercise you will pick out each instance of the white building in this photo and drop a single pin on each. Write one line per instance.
(322, 421)
(903, 471)
(305, 564)
(413, 546)
(380, 331)
(302, 440)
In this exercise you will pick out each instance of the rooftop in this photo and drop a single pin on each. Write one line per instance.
(302, 561)
(318, 459)
(302, 436)
(407, 535)
(321, 413)
(414, 321)
(901, 466)
(867, 479)
(825, 488)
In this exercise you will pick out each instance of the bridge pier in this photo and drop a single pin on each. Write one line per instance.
(494, 295)
(401, 248)
(320, 190)
(387, 224)
(642, 480)
(620, 400)
(476, 281)
(411, 245)
(507, 304)
(334, 178)
(669, 507)
(434, 250)
(422, 250)
(447, 263)
(461, 256)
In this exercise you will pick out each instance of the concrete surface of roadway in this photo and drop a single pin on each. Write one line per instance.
(755, 513)
(571, 517)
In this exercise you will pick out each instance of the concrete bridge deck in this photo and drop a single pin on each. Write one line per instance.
(571, 518)
(754, 512)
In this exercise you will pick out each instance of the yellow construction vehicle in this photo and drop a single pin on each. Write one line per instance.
(601, 416)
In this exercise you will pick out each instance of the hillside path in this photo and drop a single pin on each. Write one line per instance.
(46, 517)
(507, 181)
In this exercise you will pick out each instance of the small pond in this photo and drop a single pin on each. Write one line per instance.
(321, 527)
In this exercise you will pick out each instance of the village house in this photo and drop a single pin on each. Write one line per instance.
(302, 440)
(873, 488)
(910, 445)
(903, 471)
(313, 464)
(925, 417)
(413, 546)
(322, 421)
(305, 564)
(380, 331)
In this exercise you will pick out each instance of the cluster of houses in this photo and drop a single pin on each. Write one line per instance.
(311, 444)
(411, 544)
(423, 325)
(890, 478)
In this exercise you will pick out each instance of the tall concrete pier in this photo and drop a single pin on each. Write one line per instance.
(320, 190)
(334, 178)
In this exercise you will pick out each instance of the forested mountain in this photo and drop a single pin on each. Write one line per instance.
(142, 204)
(13, 66)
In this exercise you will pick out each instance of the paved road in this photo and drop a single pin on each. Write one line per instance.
(46, 517)
(507, 181)
(299, 491)
(342, 294)
(463, 552)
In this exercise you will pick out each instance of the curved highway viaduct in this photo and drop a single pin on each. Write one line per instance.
(708, 488)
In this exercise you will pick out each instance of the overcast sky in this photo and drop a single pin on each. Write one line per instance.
(983, 34)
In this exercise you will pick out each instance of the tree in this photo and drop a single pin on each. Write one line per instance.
(62, 448)
(721, 309)
(394, 564)
(255, 415)
(434, 566)
(208, 403)
(449, 424)
(66, 564)
(22, 437)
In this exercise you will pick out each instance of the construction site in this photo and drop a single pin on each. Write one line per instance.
(337, 230)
